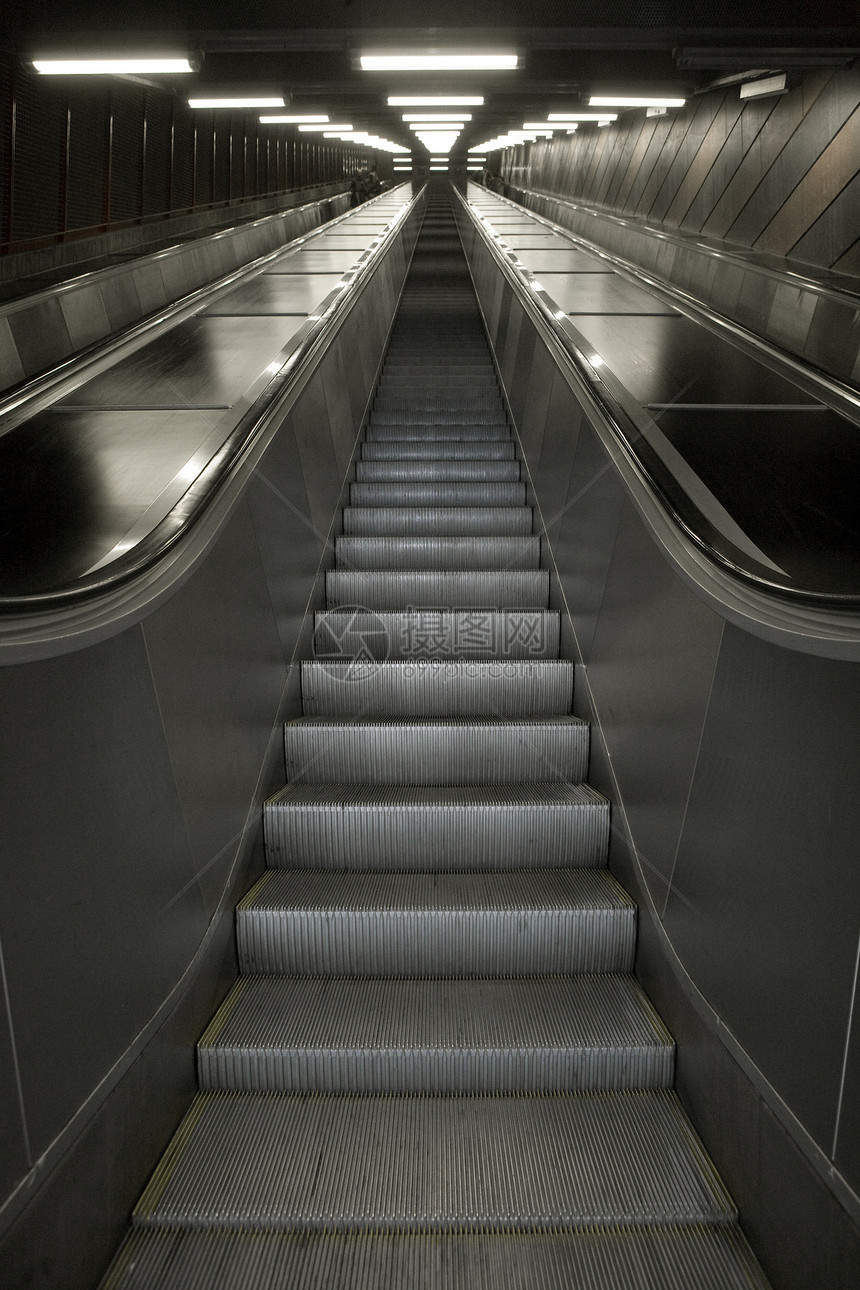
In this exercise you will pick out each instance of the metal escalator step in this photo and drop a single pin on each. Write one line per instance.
(430, 688)
(303, 1163)
(402, 1035)
(438, 494)
(426, 367)
(378, 554)
(465, 431)
(428, 471)
(438, 634)
(436, 751)
(663, 1258)
(418, 450)
(436, 589)
(418, 521)
(463, 404)
(462, 356)
(519, 922)
(500, 826)
(437, 413)
(418, 381)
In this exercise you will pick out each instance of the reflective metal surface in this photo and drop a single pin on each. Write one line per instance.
(87, 480)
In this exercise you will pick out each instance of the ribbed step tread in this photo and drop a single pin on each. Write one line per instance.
(421, 382)
(462, 404)
(676, 1258)
(430, 521)
(401, 366)
(436, 751)
(438, 589)
(429, 471)
(454, 411)
(401, 1035)
(299, 1162)
(373, 826)
(458, 430)
(304, 921)
(438, 494)
(435, 634)
(430, 688)
(437, 450)
(377, 554)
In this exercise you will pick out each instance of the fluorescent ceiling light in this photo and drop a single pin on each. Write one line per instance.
(418, 62)
(618, 101)
(429, 126)
(436, 116)
(292, 120)
(435, 100)
(581, 116)
(330, 125)
(108, 66)
(235, 103)
(438, 167)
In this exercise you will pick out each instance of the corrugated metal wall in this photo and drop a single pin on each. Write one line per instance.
(780, 175)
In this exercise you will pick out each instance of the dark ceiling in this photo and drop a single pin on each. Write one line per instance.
(569, 50)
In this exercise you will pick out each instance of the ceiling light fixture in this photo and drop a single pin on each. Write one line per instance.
(109, 66)
(435, 100)
(423, 62)
(293, 120)
(235, 103)
(620, 101)
(460, 117)
(330, 125)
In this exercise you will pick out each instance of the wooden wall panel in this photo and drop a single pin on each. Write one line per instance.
(777, 175)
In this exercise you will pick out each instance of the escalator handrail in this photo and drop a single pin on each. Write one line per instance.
(20, 401)
(627, 436)
(174, 527)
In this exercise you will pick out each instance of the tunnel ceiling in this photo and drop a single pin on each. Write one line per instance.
(309, 51)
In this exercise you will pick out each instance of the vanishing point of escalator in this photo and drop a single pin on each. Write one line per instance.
(436, 1069)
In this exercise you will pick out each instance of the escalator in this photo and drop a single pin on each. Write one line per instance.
(436, 1068)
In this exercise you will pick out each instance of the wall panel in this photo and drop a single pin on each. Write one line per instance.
(757, 173)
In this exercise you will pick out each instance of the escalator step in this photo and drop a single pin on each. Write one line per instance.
(666, 1258)
(400, 1035)
(379, 554)
(438, 634)
(486, 826)
(460, 430)
(453, 450)
(429, 471)
(436, 751)
(437, 494)
(437, 412)
(433, 589)
(480, 521)
(519, 922)
(305, 1163)
(432, 688)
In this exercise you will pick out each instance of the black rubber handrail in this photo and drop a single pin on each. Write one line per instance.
(676, 503)
(174, 527)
